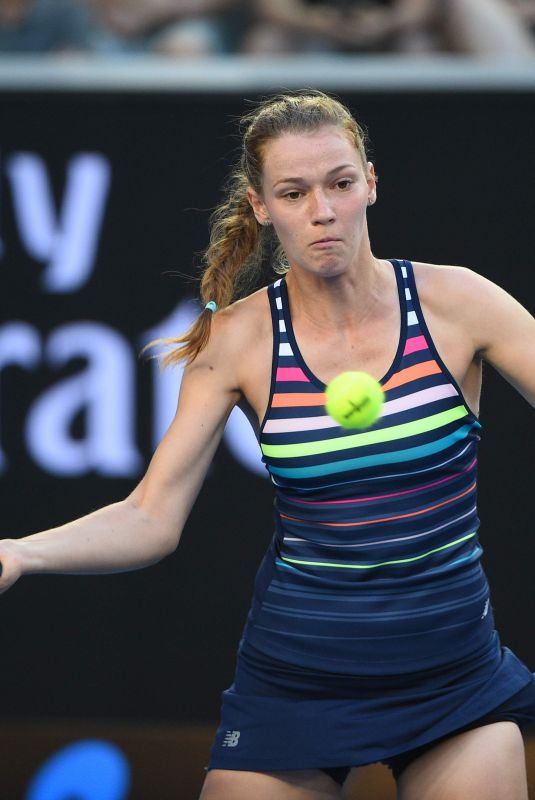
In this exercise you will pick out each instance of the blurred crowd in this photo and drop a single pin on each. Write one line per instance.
(198, 28)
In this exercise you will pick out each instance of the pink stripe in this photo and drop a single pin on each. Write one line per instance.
(414, 344)
(291, 374)
(383, 496)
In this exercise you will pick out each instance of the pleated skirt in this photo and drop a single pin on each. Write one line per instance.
(279, 716)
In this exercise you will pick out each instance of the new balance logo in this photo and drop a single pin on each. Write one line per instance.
(231, 739)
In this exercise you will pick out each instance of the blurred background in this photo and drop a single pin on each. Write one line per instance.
(118, 128)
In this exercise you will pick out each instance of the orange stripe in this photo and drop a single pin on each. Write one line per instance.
(411, 374)
(385, 519)
(287, 400)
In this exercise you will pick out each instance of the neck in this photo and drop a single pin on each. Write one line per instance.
(339, 302)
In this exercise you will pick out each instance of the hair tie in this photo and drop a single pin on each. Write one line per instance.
(211, 306)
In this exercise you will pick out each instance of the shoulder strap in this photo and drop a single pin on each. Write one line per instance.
(277, 316)
(414, 311)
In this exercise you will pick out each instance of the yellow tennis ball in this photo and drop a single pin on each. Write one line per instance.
(354, 399)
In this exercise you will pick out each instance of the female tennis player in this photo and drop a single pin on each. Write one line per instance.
(370, 636)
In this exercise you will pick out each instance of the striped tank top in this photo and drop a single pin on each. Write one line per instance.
(374, 567)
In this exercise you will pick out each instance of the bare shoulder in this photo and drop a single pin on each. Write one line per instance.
(237, 333)
(243, 323)
(450, 287)
(250, 312)
(460, 294)
(468, 301)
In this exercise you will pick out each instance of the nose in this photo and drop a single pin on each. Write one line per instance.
(322, 210)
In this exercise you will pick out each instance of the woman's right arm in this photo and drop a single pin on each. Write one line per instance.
(146, 526)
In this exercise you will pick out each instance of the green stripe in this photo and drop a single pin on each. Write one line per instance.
(382, 564)
(362, 439)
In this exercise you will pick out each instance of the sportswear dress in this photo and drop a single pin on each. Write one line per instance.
(371, 633)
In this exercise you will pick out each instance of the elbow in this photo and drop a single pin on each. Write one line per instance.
(163, 539)
(169, 542)
(162, 533)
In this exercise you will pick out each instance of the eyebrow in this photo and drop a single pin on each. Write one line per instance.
(300, 180)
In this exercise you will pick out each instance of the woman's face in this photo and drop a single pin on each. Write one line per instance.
(315, 191)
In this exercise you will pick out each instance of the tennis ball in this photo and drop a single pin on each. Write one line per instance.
(354, 399)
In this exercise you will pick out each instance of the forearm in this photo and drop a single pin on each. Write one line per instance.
(116, 538)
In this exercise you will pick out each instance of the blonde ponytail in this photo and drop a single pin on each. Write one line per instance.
(233, 262)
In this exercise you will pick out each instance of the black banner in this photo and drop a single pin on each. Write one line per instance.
(102, 199)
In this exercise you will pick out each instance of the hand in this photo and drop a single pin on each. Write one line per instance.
(11, 562)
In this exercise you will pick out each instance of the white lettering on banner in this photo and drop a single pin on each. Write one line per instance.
(67, 241)
(20, 345)
(239, 436)
(105, 390)
(63, 235)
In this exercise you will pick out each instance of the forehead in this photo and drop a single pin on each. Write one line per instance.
(302, 154)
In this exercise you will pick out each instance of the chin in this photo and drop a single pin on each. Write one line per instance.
(331, 270)
(326, 268)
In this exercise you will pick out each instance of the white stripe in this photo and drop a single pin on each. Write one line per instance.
(412, 319)
(278, 283)
(278, 301)
(282, 326)
(408, 294)
(404, 271)
(420, 398)
(288, 424)
(385, 541)
(285, 349)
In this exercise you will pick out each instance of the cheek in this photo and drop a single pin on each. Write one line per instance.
(287, 228)
(353, 214)
(359, 207)
(290, 239)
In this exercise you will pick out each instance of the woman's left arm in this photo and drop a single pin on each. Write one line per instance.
(503, 332)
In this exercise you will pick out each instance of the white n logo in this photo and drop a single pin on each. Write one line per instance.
(231, 739)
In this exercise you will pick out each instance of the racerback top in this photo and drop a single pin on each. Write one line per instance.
(374, 567)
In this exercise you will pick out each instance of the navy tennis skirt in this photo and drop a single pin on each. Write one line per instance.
(278, 716)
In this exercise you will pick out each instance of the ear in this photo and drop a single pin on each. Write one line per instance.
(372, 184)
(259, 207)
